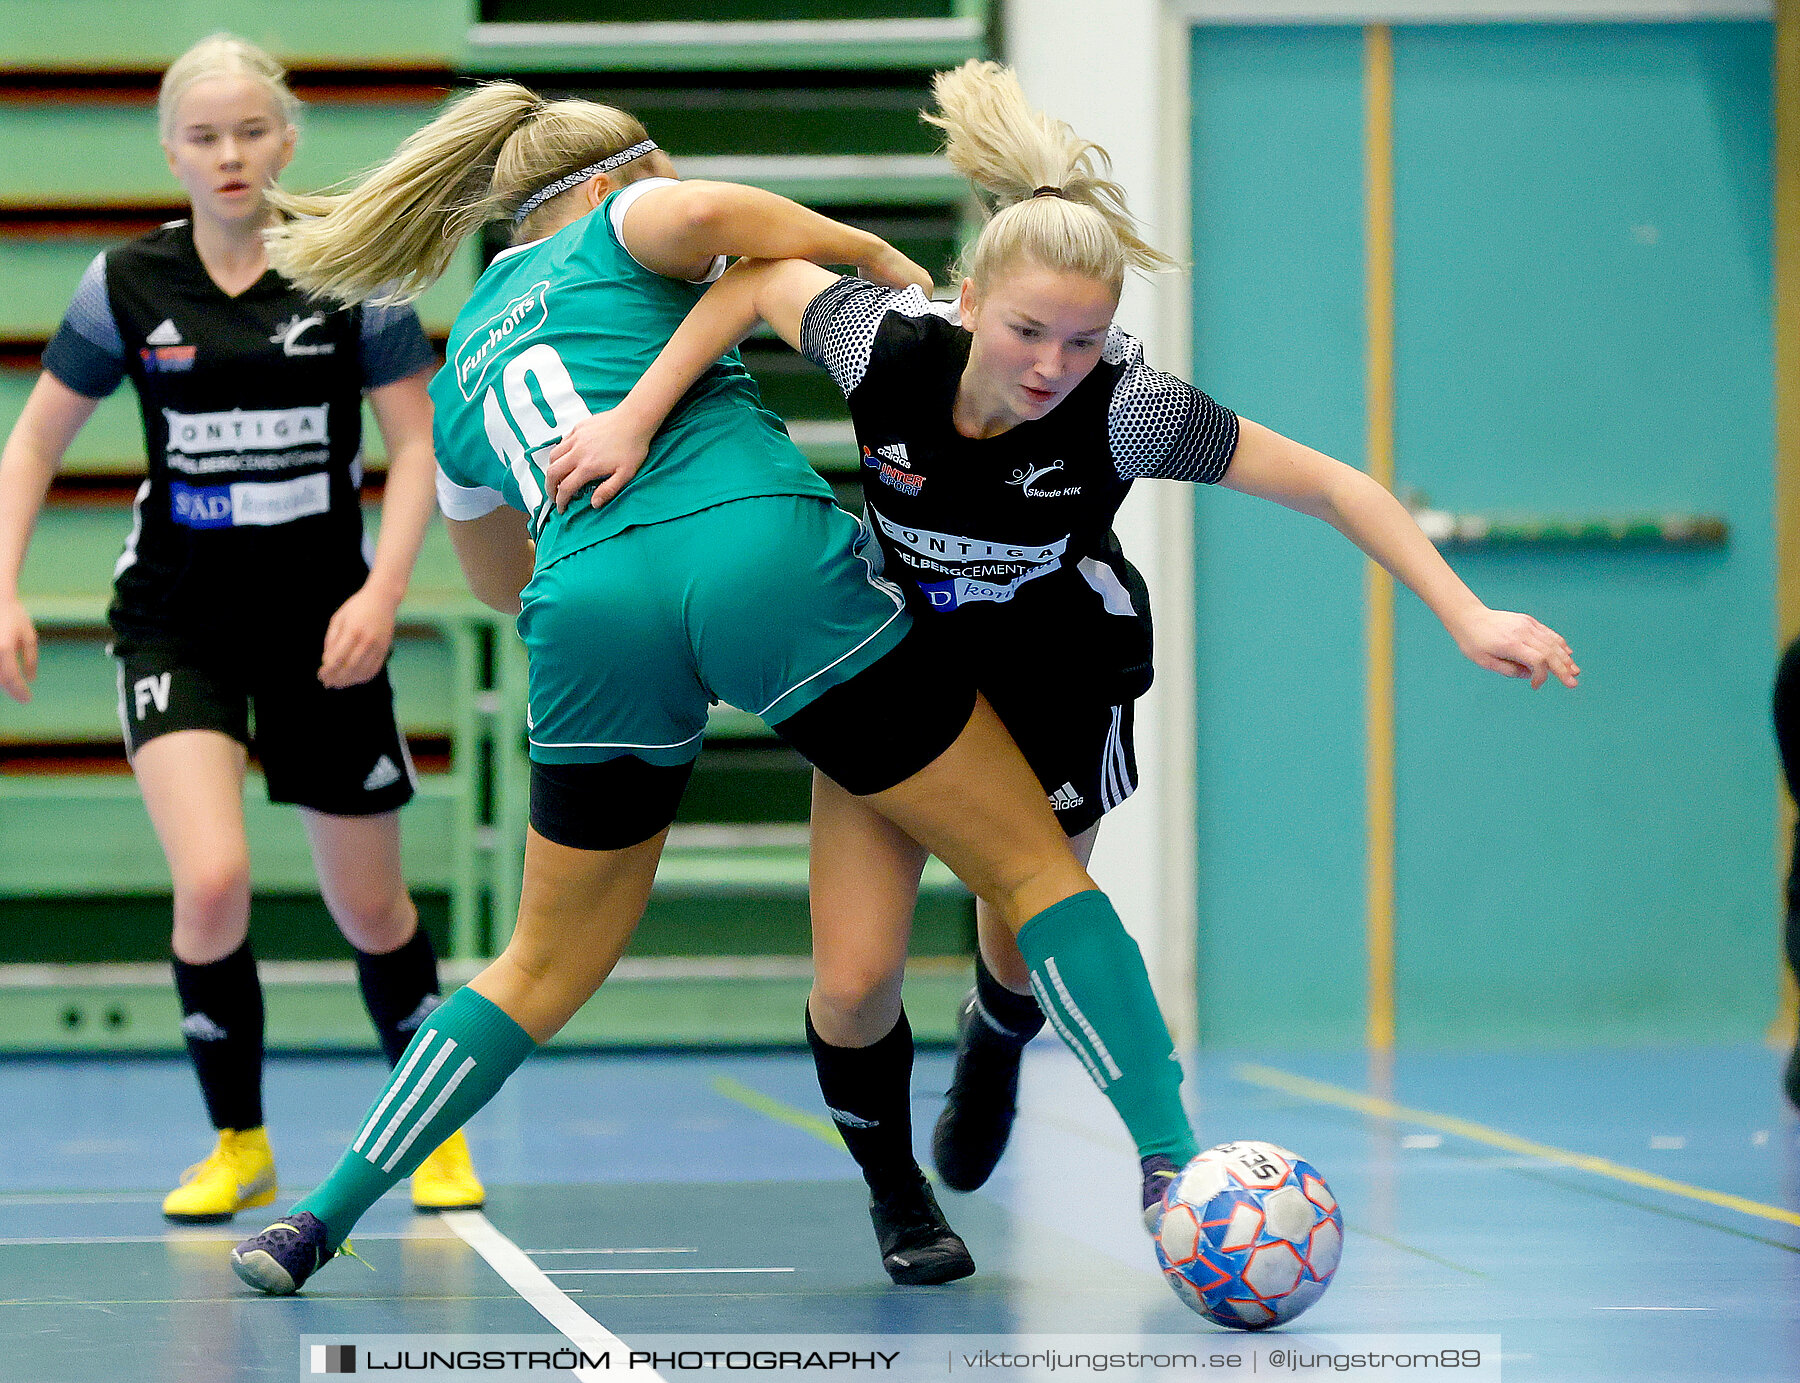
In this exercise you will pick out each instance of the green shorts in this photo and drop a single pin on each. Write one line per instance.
(762, 603)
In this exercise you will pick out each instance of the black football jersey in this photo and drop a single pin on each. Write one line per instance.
(1006, 543)
(250, 519)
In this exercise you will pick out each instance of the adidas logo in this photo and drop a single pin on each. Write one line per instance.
(1065, 798)
(164, 335)
(381, 775)
(851, 1120)
(411, 1022)
(201, 1028)
(896, 452)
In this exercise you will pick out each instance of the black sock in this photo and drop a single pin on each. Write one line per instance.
(399, 989)
(1018, 1014)
(869, 1093)
(222, 1020)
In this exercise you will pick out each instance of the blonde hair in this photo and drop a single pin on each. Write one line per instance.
(396, 230)
(222, 55)
(1056, 203)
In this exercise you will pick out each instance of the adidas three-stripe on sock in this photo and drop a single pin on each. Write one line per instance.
(461, 1055)
(1090, 980)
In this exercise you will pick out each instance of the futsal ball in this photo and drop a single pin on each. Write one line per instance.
(1250, 1235)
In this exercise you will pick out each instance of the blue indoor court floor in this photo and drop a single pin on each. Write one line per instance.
(1610, 1215)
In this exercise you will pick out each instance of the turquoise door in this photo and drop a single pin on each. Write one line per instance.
(1582, 288)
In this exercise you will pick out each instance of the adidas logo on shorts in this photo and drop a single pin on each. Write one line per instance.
(381, 775)
(895, 452)
(1065, 798)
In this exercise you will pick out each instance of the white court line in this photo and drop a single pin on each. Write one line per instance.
(652, 1272)
(545, 1253)
(544, 1296)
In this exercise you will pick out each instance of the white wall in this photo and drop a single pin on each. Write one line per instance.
(1117, 72)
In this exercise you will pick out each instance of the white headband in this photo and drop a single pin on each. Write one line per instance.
(580, 175)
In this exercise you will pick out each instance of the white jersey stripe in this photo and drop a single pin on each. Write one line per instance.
(124, 717)
(424, 1043)
(420, 1124)
(1115, 762)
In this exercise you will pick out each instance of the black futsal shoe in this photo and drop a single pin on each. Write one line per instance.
(280, 1259)
(977, 1118)
(918, 1247)
(1791, 1077)
(1159, 1175)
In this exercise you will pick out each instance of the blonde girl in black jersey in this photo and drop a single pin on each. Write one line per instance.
(244, 590)
(1014, 598)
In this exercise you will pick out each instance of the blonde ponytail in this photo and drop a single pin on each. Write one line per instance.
(396, 230)
(1056, 203)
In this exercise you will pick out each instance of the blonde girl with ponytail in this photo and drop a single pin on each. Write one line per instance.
(243, 594)
(999, 435)
(724, 572)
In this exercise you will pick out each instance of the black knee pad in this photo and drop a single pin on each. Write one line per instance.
(605, 806)
(887, 722)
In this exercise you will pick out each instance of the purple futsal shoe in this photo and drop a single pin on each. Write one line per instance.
(280, 1259)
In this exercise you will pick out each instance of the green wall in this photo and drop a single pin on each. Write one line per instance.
(140, 33)
(1582, 227)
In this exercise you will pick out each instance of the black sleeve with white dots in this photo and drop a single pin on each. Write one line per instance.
(839, 327)
(1161, 427)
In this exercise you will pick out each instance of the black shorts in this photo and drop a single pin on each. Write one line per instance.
(336, 751)
(1083, 751)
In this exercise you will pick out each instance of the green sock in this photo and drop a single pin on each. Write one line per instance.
(459, 1057)
(1089, 978)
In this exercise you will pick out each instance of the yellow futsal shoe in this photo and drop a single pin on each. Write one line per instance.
(237, 1175)
(446, 1180)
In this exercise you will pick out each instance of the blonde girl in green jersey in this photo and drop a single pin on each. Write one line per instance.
(753, 592)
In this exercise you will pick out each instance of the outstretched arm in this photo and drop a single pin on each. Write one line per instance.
(1271, 466)
(610, 446)
(680, 228)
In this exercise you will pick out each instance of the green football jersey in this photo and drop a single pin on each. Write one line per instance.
(563, 327)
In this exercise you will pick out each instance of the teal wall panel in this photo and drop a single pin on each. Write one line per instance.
(1583, 302)
(1278, 287)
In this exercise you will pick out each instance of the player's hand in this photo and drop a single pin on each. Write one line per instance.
(1515, 645)
(606, 447)
(18, 649)
(358, 639)
(895, 270)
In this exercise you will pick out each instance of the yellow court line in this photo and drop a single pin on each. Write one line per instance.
(1270, 1078)
(822, 1129)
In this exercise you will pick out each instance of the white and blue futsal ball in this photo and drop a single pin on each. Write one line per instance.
(1250, 1235)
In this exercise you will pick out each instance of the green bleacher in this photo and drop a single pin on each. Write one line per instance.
(817, 100)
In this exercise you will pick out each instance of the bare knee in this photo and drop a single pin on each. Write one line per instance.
(212, 909)
(856, 1006)
(376, 920)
